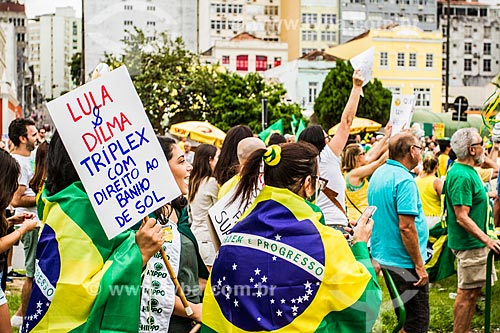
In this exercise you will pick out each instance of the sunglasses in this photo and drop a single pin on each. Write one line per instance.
(481, 143)
(320, 183)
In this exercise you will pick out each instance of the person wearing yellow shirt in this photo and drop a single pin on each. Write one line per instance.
(430, 187)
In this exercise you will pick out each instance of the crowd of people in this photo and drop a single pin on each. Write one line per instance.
(303, 257)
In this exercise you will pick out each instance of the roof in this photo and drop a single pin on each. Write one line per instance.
(245, 36)
(318, 55)
(11, 7)
(462, 3)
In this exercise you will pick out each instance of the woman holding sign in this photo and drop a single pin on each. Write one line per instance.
(279, 266)
(80, 273)
(161, 309)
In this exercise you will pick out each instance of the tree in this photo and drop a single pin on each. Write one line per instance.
(174, 87)
(333, 97)
(76, 68)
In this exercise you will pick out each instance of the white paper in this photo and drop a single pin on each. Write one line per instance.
(364, 62)
(401, 112)
(114, 150)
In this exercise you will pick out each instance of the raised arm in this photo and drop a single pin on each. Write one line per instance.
(381, 147)
(338, 142)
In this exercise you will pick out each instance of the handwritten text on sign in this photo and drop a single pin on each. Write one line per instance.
(114, 150)
(401, 112)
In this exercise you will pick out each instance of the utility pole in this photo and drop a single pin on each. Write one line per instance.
(447, 72)
(82, 58)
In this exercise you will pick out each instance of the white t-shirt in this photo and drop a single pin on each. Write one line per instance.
(329, 168)
(27, 164)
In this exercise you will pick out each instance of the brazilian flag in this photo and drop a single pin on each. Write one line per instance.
(276, 127)
(83, 282)
(281, 270)
(442, 263)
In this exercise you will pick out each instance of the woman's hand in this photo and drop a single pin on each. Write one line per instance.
(20, 218)
(149, 238)
(357, 79)
(27, 226)
(362, 229)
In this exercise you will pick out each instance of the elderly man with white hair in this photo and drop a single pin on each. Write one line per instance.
(470, 229)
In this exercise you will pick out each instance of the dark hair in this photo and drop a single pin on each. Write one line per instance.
(18, 128)
(167, 145)
(276, 139)
(228, 163)
(429, 164)
(8, 185)
(40, 167)
(314, 135)
(60, 170)
(400, 145)
(443, 144)
(201, 168)
(298, 160)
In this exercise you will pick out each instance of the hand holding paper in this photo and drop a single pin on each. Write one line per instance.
(364, 63)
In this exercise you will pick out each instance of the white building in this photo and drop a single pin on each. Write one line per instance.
(106, 23)
(222, 20)
(303, 78)
(246, 53)
(53, 40)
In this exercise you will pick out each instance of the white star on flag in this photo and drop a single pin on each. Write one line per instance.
(279, 313)
(235, 303)
(295, 308)
(274, 258)
(256, 285)
(277, 237)
(306, 298)
(39, 304)
(283, 301)
(307, 285)
(219, 282)
(251, 280)
(234, 266)
(309, 291)
(228, 296)
(259, 319)
(257, 271)
(293, 300)
(35, 316)
(264, 279)
(259, 293)
(39, 311)
(272, 301)
(299, 300)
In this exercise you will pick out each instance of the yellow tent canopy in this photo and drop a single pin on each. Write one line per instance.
(201, 131)
(359, 125)
(352, 47)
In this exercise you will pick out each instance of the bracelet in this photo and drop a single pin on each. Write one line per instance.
(20, 233)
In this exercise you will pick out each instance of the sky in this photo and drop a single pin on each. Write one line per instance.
(39, 7)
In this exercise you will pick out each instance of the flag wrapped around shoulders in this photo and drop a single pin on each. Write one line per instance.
(281, 270)
(83, 282)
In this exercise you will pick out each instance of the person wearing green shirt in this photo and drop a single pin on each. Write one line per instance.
(470, 226)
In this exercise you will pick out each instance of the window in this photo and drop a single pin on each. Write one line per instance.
(423, 97)
(150, 38)
(401, 59)
(487, 32)
(217, 24)
(151, 8)
(309, 18)
(468, 31)
(313, 91)
(413, 60)
(487, 65)
(128, 7)
(328, 18)
(443, 65)
(328, 36)
(260, 63)
(395, 90)
(307, 50)
(487, 48)
(128, 22)
(309, 35)
(383, 59)
(443, 30)
(468, 48)
(242, 63)
(151, 23)
(271, 10)
(277, 61)
(429, 60)
(225, 60)
(467, 64)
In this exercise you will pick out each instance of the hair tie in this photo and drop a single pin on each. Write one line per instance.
(272, 156)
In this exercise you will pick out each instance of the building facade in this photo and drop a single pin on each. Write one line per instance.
(358, 16)
(222, 20)
(53, 41)
(308, 25)
(407, 61)
(474, 42)
(246, 53)
(303, 78)
(14, 13)
(107, 23)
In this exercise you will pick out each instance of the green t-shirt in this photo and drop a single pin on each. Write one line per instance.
(463, 187)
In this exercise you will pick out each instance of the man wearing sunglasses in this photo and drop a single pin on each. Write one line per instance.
(471, 233)
(400, 232)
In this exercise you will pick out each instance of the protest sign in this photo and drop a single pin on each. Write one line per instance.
(401, 112)
(364, 62)
(114, 150)
(225, 214)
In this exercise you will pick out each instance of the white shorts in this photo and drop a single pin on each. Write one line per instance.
(3, 299)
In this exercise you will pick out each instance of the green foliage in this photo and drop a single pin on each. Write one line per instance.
(174, 87)
(334, 95)
(76, 68)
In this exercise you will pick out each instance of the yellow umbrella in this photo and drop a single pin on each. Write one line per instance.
(201, 131)
(352, 47)
(359, 125)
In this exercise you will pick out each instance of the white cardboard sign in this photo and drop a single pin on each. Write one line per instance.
(364, 62)
(114, 150)
(401, 112)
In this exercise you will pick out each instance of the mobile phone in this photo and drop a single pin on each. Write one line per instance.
(368, 212)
